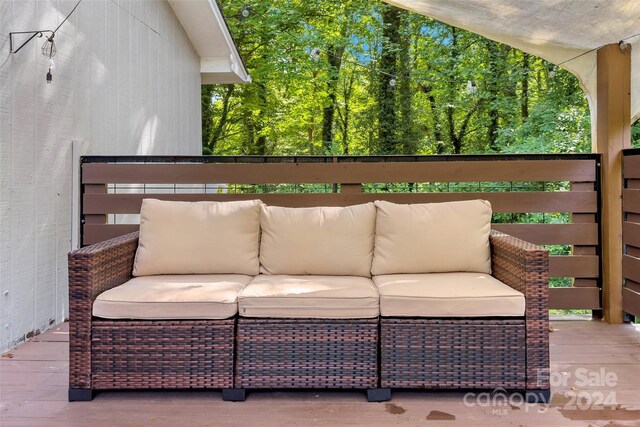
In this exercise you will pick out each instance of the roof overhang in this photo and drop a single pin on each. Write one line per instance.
(205, 26)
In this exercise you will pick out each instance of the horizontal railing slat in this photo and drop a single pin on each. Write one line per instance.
(356, 172)
(583, 266)
(631, 268)
(506, 202)
(630, 300)
(631, 233)
(95, 233)
(631, 200)
(553, 234)
(574, 298)
(630, 284)
(631, 167)
(585, 283)
(633, 184)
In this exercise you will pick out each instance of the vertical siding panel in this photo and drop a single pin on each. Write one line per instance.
(64, 85)
(95, 34)
(65, 74)
(6, 104)
(124, 80)
(22, 188)
(175, 74)
(146, 119)
(137, 114)
(155, 41)
(46, 165)
(49, 163)
(172, 108)
(168, 97)
(163, 79)
(196, 123)
(112, 82)
(184, 109)
(191, 109)
(82, 57)
(63, 236)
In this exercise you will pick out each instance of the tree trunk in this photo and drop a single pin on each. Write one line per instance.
(456, 142)
(256, 139)
(497, 86)
(405, 93)
(524, 85)
(492, 89)
(437, 129)
(249, 143)
(334, 57)
(217, 130)
(345, 115)
(311, 123)
(387, 125)
(206, 92)
(451, 88)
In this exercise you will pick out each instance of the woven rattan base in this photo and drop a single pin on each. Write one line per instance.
(162, 354)
(453, 354)
(307, 353)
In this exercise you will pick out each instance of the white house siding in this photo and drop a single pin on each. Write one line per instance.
(127, 81)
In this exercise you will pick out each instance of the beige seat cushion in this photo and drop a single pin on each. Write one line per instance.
(325, 240)
(173, 297)
(432, 237)
(321, 297)
(447, 295)
(198, 238)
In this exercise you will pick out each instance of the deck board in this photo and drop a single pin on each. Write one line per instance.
(33, 387)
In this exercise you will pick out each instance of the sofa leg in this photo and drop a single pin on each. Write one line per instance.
(378, 394)
(538, 396)
(80, 395)
(234, 394)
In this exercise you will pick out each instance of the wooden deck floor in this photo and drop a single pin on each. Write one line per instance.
(33, 392)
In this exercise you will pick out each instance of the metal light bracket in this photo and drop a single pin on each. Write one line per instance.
(34, 34)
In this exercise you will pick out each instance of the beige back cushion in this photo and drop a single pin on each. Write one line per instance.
(321, 240)
(198, 238)
(432, 237)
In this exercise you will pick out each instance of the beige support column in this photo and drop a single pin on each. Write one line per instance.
(613, 133)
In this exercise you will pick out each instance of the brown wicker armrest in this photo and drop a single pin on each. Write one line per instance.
(102, 266)
(93, 270)
(525, 267)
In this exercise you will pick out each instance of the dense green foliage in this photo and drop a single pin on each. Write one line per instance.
(363, 77)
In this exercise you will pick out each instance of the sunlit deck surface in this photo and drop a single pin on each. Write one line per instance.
(33, 392)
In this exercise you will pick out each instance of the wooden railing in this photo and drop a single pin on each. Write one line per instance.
(521, 189)
(631, 232)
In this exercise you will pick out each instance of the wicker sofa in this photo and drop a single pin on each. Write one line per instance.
(239, 296)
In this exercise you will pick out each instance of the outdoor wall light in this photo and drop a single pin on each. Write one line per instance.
(48, 49)
(624, 46)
